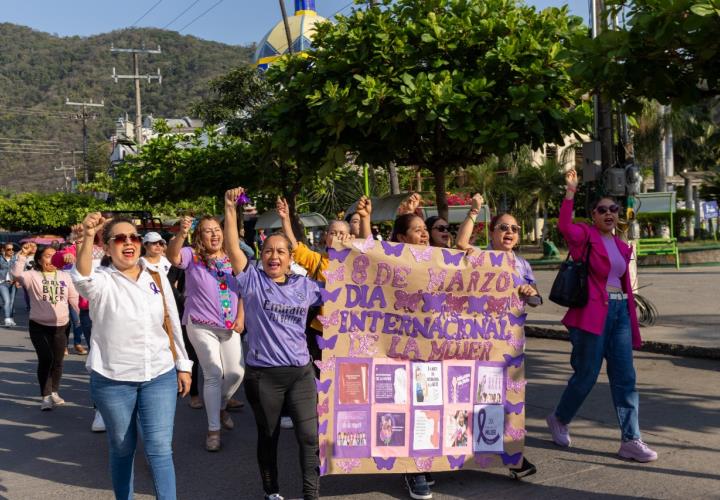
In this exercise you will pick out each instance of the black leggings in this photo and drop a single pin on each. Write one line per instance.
(268, 390)
(192, 355)
(49, 343)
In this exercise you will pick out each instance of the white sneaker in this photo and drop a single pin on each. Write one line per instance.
(10, 322)
(56, 399)
(286, 423)
(47, 403)
(98, 424)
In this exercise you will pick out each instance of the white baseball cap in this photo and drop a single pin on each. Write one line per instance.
(152, 237)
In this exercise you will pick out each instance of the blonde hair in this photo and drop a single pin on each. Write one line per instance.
(198, 246)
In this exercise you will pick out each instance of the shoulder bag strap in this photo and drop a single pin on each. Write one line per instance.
(167, 324)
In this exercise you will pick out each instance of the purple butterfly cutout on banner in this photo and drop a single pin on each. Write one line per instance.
(516, 343)
(322, 428)
(407, 301)
(243, 199)
(456, 462)
(364, 245)
(392, 249)
(476, 304)
(515, 408)
(338, 255)
(362, 344)
(347, 464)
(333, 276)
(513, 433)
(516, 386)
(323, 408)
(424, 464)
(328, 296)
(326, 343)
(421, 254)
(516, 320)
(323, 387)
(325, 366)
(514, 361)
(455, 304)
(511, 459)
(477, 260)
(484, 461)
(433, 302)
(328, 321)
(323, 467)
(384, 463)
(453, 258)
(496, 259)
(497, 306)
(517, 280)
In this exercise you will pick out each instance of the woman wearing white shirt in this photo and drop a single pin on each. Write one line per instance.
(136, 367)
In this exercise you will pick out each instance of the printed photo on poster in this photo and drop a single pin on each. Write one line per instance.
(353, 386)
(352, 434)
(490, 382)
(390, 383)
(426, 429)
(427, 384)
(458, 380)
(489, 425)
(457, 428)
(390, 429)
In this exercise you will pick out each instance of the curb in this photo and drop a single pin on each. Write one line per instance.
(687, 351)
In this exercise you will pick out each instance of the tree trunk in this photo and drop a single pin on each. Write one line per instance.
(440, 194)
(394, 181)
(297, 225)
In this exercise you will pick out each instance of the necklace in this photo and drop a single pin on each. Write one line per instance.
(220, 269)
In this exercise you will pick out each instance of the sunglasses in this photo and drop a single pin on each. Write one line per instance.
(603, 209)
(121, 239)
(442, 229)
(508, 227)
(161, 243)
(9, 249)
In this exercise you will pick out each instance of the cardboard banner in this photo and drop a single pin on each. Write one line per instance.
(422, 363)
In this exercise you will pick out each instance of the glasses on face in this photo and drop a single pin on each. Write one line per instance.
(216, 230)
(508, 227)
(161, 243)
(442, 229)
(121, 239)
(9, 249)
(603, 209)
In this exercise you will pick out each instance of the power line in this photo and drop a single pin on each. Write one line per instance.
(146, 13)
(181, 14)
(201, 15)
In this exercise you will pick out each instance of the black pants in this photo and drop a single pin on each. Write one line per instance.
(49, 343)
(268, 390)
(192, 356)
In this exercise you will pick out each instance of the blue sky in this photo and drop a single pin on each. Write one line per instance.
(229, 21)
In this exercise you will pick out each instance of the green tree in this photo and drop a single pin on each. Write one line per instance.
(442, 84)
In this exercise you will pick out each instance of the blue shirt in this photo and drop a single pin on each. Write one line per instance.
(5, 266)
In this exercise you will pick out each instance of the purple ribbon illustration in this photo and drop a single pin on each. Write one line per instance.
(482, 417)
(154, 288)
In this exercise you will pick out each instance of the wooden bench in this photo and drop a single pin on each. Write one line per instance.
(659, 246)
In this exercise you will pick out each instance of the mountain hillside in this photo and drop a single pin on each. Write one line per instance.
(39, 70)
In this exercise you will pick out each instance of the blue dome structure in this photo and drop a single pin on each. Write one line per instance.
(302, 29)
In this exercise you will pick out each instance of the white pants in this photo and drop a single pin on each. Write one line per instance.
(220, 354)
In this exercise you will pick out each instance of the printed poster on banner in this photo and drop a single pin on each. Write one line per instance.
(423, 360)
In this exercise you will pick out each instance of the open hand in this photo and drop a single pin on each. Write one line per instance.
(571, 179)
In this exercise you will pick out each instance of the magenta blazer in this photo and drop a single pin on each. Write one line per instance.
(591, 317)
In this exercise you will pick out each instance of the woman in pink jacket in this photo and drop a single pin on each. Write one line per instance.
(51, 292)
(606, 327)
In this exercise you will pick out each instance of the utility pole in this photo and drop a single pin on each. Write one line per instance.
(287, 26)
(84, 118)
(602, 104)
(137, 77)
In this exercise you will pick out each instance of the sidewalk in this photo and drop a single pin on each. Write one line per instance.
(54, 454)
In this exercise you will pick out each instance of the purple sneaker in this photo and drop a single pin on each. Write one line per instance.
(559, 431)
(636, 450)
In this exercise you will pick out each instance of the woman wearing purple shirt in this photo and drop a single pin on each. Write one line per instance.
(279, 371)
(606, 327)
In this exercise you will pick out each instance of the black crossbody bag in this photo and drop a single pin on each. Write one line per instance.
(570, 288)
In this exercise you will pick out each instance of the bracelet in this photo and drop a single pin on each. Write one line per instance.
(571, 189)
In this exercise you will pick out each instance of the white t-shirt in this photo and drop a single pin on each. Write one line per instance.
(162, 267)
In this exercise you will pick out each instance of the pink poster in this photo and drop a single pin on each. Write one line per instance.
(390, 431)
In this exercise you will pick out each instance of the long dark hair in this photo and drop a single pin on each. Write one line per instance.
(41, 249)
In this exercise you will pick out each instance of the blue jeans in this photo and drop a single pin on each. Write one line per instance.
(7, 293)
(124, 406)
(76, 326)
(615, 345)
(86, 325)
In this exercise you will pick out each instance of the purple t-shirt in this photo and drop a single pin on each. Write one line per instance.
(275, 317)
(203, 289)
(617, 263)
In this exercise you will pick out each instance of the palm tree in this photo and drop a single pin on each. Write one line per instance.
(542, 183)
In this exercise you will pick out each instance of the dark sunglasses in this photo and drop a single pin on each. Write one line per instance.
(603, 209)
(161, 243)
(442, 229)
(9, 249)
(508, 227)
(121, 239)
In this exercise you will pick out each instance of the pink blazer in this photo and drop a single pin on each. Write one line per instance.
(591, 317)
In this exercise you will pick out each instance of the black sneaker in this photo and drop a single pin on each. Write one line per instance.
(526, 469)
(429, 479)
(417, 486)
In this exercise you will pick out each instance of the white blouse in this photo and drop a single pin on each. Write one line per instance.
(128, 341)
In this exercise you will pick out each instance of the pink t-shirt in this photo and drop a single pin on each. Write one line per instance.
(50, 294)
(618, 266)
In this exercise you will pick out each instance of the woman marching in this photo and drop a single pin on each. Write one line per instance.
(279, 368)
(51, 293)
(504, 236)
(606, 327)
(137, 360)
(212, 317)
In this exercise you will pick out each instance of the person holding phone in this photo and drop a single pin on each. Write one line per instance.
(606, 327)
